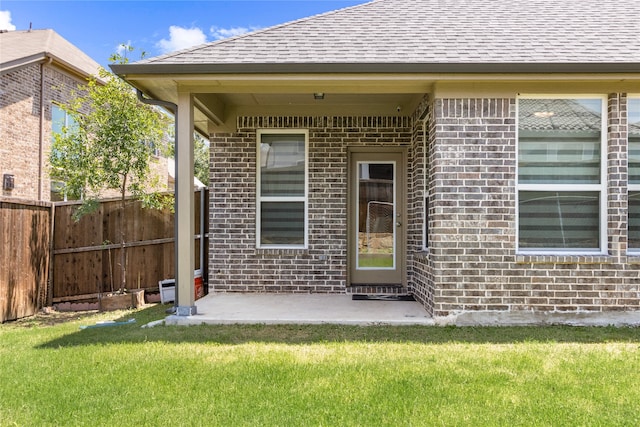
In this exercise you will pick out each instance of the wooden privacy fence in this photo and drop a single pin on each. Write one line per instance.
(25, 234)
(86, 253)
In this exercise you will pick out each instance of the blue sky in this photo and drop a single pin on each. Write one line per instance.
(155, 27)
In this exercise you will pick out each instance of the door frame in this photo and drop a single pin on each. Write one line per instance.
(401, 200)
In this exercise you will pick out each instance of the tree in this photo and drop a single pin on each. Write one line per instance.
(109, 147)
(201, 159)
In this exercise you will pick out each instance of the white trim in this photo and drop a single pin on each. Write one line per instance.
(425, 182)
(304, 198)
(601, 188)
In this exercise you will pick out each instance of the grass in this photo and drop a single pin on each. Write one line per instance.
(375, 260)
(53, 373)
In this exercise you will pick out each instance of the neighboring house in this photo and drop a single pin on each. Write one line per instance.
(39, 70)
(476, 155)
(171, 177)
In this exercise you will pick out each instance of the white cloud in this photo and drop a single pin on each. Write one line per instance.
(124, 51)
(181, 38)
(222, 33)
(5, 21)
(123, 48)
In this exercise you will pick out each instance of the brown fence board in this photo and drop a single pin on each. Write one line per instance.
(24, 257)
(38, 266)
(77, 273)
(71, 234)
(87, 253)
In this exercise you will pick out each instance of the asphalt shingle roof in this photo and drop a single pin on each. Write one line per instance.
(18, 48)
(440, 31)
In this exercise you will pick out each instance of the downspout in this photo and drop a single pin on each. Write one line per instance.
(48, 61)
(174, 109)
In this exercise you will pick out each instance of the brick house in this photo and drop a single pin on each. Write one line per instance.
(480, 156)
(39, 70)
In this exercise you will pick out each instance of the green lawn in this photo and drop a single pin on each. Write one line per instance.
(58, 375)
(375, 260)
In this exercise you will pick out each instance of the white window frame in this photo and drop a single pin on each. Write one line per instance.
(601, 188)
(631, 187)
(260, 199)
(425, 194)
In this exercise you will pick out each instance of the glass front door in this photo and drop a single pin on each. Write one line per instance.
(376, 218)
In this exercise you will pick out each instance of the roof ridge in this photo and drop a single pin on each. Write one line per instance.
(256, 32)
(49, 40)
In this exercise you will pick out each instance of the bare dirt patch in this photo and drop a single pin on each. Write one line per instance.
(50, 317)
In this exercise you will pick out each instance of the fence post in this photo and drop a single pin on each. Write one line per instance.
(49, 295)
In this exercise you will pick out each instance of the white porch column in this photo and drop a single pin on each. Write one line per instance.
(184, 215)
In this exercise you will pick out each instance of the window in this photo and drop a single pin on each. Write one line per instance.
(634, 174)
(155, 150)
(561, 185)
(282, 189)
(61, 122)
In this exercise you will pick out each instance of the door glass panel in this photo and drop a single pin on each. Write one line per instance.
(376, 215)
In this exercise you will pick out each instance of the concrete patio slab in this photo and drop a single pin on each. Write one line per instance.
(251, 308)
(233, 308)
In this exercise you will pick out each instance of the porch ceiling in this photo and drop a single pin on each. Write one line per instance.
(305, 103)
(220, 98)
(218, 101)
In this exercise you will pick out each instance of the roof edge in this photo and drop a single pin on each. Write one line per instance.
(8, 66)
(361, 68)
(43, 58)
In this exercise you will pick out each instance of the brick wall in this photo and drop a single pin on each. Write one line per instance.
(235, 263)
(473, 221)
(471, 263)
(420, 272)
(472, 203)
(617, 179)
(21, 128)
